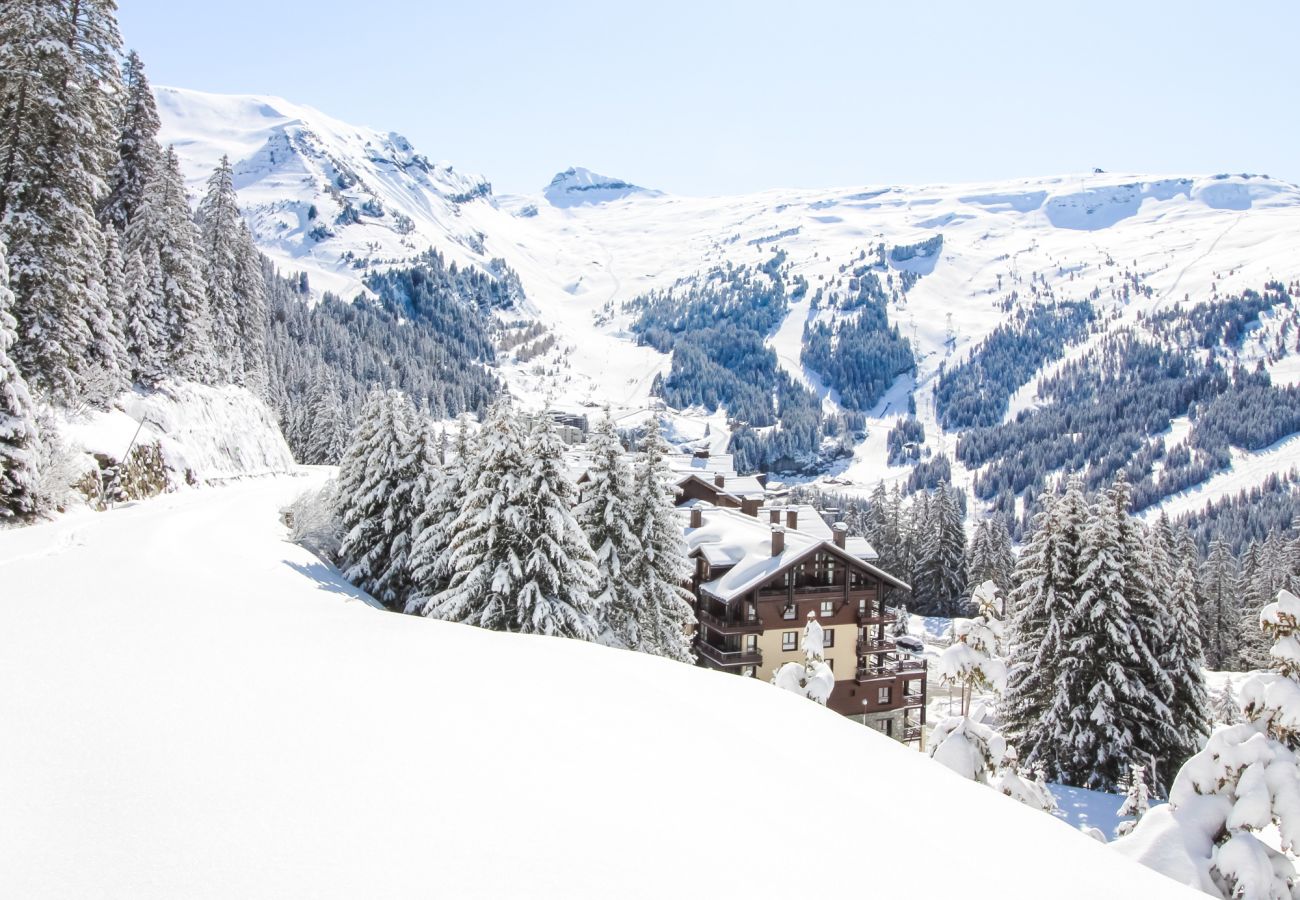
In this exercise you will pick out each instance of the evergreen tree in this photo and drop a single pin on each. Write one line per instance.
(218, 238)
(146, 322)
(254, 320)
(813, 678)
(606, 514)
(19, 479)
(431, 562)
(1137, 800)
(138, 151)
(662, 569)
(327, 432)
(376, 479)
(110, 346)
(519, 561)
(58, 102)
(1219, 614)
(943, 551)
(165, 222)
(1225, 710)
(1184, 659)
(1107, 661)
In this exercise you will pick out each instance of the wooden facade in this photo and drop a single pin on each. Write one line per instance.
(749, 633)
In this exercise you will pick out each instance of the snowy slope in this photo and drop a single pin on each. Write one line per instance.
(195, 708)
(586, 244)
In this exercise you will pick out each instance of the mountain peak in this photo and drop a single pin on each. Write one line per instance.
(576, 186)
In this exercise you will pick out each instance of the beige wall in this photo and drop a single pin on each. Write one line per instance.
(843, 656)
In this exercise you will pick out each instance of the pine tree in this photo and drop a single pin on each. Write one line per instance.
(990, 557)
(1225, 710)
(431, 561)
(163, 229)
(606, 513)
(219, 223)
(519, 561)
(813, 678)
(376, 479)
(146, 321)
(1107, 659)
(327, 432)
(662, 569)
(138, 152)
(109, 347)
(1219, 614)
(1137, 800)
(943, 551)
(1183, 659)
(250, 289)
(57, 111)
(19, 479)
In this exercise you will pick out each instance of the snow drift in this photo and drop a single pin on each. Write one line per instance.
(195, 707)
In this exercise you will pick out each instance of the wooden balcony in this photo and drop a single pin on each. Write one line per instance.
(869, 616)
(868, 646)
(912, 665)
(912, 701)
(875, 673)
(728, 626)
(728, 658)
(911, 733)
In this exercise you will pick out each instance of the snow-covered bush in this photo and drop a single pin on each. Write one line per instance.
(314, 522)
(972, 660)
(969, 747)
(1233, 818)
(813, 679)
(1137, 800)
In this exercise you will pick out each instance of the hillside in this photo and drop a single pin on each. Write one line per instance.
(211, 712)
(877, 293)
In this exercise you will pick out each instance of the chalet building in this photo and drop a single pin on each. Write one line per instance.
(762, 568)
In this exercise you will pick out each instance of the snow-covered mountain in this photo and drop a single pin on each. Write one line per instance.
(955, 261)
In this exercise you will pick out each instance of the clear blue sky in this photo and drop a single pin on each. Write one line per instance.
(720, 97)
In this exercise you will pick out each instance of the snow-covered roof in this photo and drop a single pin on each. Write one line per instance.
(714, 463)
(743, 543)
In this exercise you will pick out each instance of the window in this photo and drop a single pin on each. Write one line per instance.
(828, 608)
(882, 696)
(830, 664)
(828, 637)
(789, 611)
(789, 640)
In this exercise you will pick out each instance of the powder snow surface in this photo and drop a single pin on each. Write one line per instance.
(194, 707)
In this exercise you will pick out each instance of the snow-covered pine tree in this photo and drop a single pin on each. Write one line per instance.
(1137, 800)
(1219, 614)
(250, 289)
(1107, 659)
(146, 320)
(431, 562)
(974, 658)
(813, 678)
(138, 151)
(219, 223)
(1224, 708)
(902, 621)
(662, 570)
(519, 560)
(1038, 704)
(1183, 659)
(19, 478)
(162, 227)
(327, 432)
(943, 568)
(376, 478)
(1259, 580)
(58, 114)
(1243, 782)
(606, 512)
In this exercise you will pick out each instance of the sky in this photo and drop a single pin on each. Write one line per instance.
(718, 97)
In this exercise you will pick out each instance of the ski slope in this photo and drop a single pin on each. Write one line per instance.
(194, 707)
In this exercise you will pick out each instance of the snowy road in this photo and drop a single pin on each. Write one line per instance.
(192, 707)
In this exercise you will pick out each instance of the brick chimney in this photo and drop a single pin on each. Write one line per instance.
(719, 480)
(697, 517)
(773, 515)
(749, 506)
(778, 540)
(841, 532)
(792, 519)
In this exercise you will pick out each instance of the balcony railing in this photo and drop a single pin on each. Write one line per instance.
(727, 626)
(911, 665)
(728, 657)
(875, 673)
(875, 645)
(911, 701)
(870, 616)
(912, 733)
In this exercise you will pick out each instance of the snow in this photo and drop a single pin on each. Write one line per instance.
(206, 433)
(196, 708)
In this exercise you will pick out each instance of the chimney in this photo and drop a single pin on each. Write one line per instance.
(841, 532)
(719, 480)
(778, 540)
(773, 515)
(792, 519)
(697, 517)
(749, 506)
